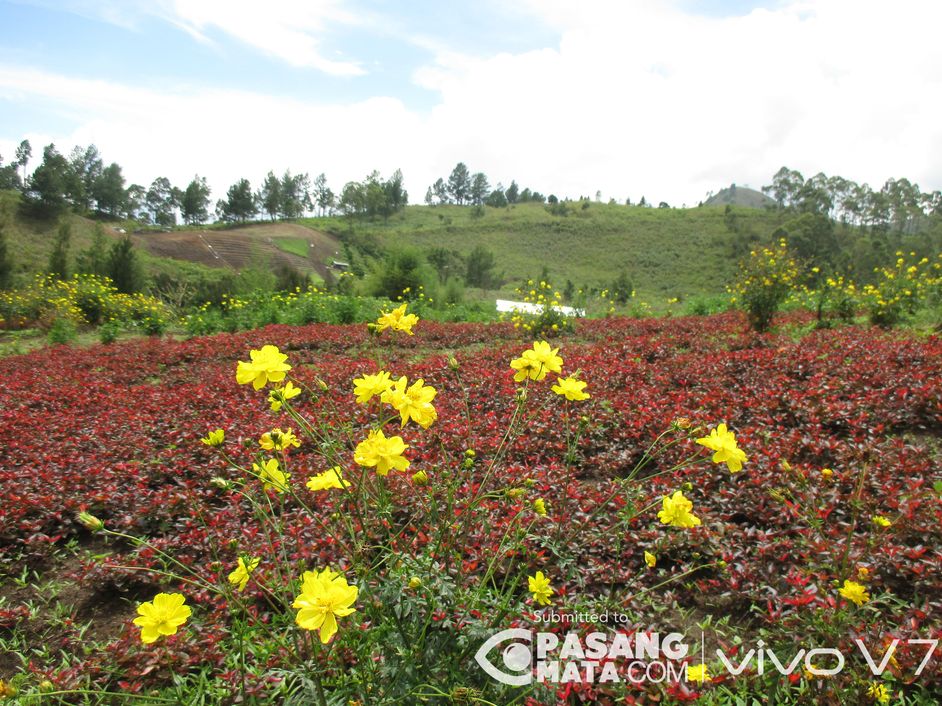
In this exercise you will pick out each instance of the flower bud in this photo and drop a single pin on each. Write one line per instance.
(453, 363)
(415, 582)
(220, 482)
(420, 478)
(90, 522)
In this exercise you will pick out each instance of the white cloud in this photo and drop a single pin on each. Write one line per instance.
(637, 98)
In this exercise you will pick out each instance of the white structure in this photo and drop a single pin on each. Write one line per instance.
(506, 306)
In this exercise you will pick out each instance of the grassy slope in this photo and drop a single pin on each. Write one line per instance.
(666, 252)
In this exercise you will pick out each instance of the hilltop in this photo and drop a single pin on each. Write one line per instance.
(740, 196)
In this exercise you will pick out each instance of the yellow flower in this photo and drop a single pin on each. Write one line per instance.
(278, 440)
(536, 362)
(414, 402)
(328, 479)
(676, 511)
(879, 693)
(268, 365)
(571, 389)
(397, 320)
(539, 507)
(240, 577)
(368, 386)
(214, 438)
(280, 395)
(271, 475)
(420, 478)
(723, 442)
(826, 473)
(539, 586)
(526, 368)
(698, 672)
(376, 450)
(650, 559)
(325, 596)
(415, 582)
(854, 592)
(162, 616)
(882, 521)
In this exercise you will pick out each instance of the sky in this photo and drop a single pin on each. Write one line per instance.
(666, 99)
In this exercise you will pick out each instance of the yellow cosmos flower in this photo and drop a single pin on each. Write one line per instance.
(571, 389)
(327, 480)
(414, 402)
(854, 592)
(271, 475)
(162, 616)
(539, 507)
(879, 693)
(278, 440)
(826, 473)
(280, 395)
(214, 438)
(537, 362)
(723, 442)
(240, 576)
(382, 453)
(676, 511)
(368, 386)
(698, 672)
(539, 586)
(267, 365)
(650, 559)
(397, 320)
(90, 522)
(325, 596)
(882, 521)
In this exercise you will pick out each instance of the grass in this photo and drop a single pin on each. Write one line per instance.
(292, 246)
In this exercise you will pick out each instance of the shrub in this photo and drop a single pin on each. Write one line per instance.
(765, 279)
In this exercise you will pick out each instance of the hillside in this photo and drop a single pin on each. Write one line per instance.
(665, 252)
(739, 196)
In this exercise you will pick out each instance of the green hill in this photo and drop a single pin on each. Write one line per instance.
(665, 252)
(740, 196)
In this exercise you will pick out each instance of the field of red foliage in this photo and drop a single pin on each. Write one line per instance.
(114, 430)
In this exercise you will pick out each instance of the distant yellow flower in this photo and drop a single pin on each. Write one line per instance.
(854, 592)
(397, 320)
(240, 576)
(162, 616)
(278, 440)
(382, 453)
(325, 596)
(879, 693)
(280, 395)
(539, 586)
(267, 365)
(650, 559)
(328, 479)
(826, 473)
(271, 475)
(571, 389)
(539, 507)
(698, 672)
(214, 438)
(415, 582)
(881, 521)
(368, 386)
(863, 573)
(676, 511)
(723, 442)
(414, 402)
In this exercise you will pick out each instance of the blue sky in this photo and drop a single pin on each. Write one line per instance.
(630, 97)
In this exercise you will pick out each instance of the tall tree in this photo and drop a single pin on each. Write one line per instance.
(240, 204)
(513, 192)
(269, 195)
(459, 183)
(479, 188)
(23, 152)
(85, 168)
(162, 199)
(322, 195)
(47, 185)
(480, 268)
(59, 257)
(194, 205)
(123, 267)
(295, 195)
(441, 191)
(108, 190)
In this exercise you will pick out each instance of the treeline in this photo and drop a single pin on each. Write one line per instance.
(81, 182)
(899, 206)
(463, 188)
